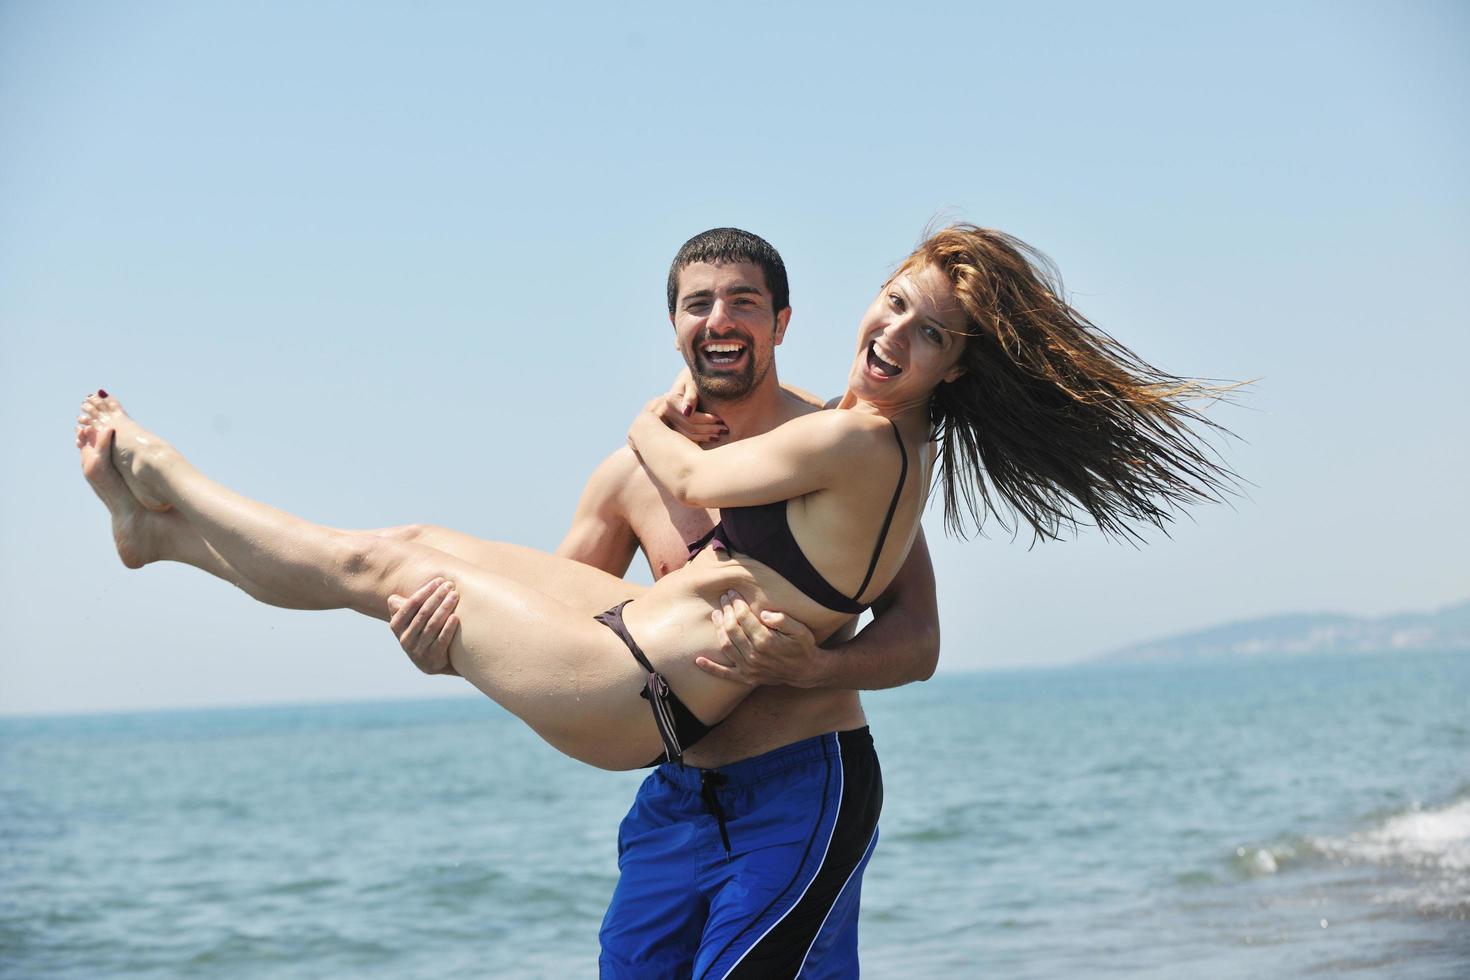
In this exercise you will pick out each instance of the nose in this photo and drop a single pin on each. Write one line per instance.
(719, 315)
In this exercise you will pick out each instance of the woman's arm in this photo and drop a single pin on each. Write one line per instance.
(808, 453)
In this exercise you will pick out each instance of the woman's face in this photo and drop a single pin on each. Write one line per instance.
(910, 339)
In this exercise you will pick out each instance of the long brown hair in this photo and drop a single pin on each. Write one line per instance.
(1054, 420)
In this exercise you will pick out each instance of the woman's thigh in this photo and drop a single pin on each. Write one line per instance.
(581, 587)
(549, 663)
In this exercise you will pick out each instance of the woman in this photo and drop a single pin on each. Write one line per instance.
(966, 358)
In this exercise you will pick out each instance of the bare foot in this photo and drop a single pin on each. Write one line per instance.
(132, 446)
(131, 523)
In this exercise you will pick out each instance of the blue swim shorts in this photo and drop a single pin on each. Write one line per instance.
(750, 870)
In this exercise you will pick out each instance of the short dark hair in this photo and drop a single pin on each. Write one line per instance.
(732, 245)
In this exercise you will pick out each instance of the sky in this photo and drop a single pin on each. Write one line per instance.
(381, 263)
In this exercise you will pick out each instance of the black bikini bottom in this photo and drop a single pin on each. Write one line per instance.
(678, 728)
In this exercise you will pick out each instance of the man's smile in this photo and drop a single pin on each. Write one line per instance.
(722, 353)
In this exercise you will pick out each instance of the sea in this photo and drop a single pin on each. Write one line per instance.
(1290, 818)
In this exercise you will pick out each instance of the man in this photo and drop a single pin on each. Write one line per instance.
(748, 859)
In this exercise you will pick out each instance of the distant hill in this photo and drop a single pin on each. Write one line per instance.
(1307, 634)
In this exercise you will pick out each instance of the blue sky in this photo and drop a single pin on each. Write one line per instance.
(381, 263)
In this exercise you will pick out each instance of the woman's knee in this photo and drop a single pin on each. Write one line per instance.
(369, 562)
(404, 532)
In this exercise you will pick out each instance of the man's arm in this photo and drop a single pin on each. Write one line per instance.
(600, 534)
(899, 646)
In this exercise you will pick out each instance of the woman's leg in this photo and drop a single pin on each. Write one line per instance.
(562, 673)
(143, 535)
(537, 569)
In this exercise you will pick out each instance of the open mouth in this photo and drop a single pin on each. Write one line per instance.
(877, 363)
(722, 353)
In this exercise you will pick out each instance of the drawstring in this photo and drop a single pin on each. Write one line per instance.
(709, 785)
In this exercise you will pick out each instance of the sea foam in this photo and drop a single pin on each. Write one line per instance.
(1431, 839)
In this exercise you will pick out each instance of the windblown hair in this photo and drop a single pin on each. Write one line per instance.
(732, 245)
(1054, 420)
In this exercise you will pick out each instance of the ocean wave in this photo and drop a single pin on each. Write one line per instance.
(1426, 850)
(1255, 862)
(1433, 839)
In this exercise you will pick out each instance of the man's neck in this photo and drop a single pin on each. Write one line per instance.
(757, 413)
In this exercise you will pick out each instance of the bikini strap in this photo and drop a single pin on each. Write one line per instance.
(888, 520)
(695, 547)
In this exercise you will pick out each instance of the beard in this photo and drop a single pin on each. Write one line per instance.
(722, 384)
(728, 386)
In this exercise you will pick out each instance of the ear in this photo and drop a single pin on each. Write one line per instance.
(676, 331)
(782, 319)
(954, 374)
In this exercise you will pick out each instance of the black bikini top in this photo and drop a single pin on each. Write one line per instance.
(763, 533)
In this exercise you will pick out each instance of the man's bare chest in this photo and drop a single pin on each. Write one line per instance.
(664, 527)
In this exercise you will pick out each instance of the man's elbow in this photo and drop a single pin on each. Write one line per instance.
(926, 652)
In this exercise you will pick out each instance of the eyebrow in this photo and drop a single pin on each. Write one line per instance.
(732, 291)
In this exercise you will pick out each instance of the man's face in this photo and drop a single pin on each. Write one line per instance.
(725, 328)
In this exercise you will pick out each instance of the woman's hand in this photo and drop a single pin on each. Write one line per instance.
(679, 410)
(424, 625)
(646, 423)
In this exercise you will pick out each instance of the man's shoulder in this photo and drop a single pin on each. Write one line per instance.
(620, 464)
(622, 491)
(801, 398)
(617, 476)
(804, 401)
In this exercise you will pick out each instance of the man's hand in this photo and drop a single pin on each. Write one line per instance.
(680, 412)
(425, 623)
(765, 648)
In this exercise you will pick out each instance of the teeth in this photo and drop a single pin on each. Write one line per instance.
(882, 358)
(723, 348)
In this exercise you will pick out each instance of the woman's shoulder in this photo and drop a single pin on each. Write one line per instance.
(849, 431)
